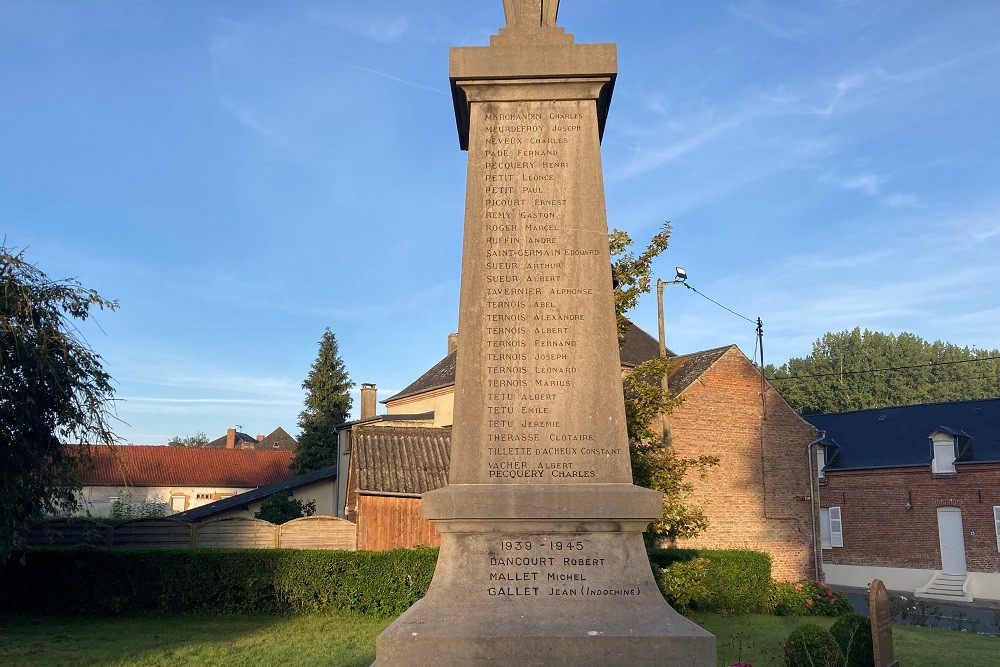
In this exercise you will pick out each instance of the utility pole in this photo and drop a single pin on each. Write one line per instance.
(679, 279)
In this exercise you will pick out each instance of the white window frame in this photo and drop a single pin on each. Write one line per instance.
(944, 455)
(183, 502)
(996, 523)
(831, 522)
(824, 529)
(821, 462)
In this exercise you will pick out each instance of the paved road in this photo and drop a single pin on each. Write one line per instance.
(980, 616)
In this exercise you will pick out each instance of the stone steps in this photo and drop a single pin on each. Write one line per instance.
(946, 587)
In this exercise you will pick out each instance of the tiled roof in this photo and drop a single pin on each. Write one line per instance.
(241, 500)
(399, 459)
(147, 465)
(637, 347)
(898, 436)
(278, 439)
(687, 368)
(240, 438)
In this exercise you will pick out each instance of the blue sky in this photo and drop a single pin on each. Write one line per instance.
(241, 175)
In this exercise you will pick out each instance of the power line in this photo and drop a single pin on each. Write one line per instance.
(884, 370)
(704, 296)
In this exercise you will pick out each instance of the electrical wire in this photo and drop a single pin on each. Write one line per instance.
(705, 296)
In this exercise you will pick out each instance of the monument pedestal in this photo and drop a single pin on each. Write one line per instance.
(543, 575)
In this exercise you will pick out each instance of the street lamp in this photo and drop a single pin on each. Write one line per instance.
(680, 278)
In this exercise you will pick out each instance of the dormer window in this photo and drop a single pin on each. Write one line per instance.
(944, 454)
(821, 462)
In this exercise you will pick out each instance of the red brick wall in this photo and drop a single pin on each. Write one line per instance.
(758, 495)
(879, 530)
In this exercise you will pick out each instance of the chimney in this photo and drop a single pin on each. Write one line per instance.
(231, 439)
(368, 402)
(260, 437)
(452, 342)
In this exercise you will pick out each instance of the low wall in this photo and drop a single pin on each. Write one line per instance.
(315, 532)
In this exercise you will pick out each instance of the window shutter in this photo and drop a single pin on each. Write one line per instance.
(996, 521)
(824, 529)
(836, 528)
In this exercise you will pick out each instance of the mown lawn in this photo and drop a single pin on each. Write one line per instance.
(758, 639)
(343, 640)
(237, 641)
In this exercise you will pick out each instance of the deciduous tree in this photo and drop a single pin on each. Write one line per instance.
(53, 391)
(863, 370)
(654, 465)
(199, 439)
(327, 405)
(282, 508)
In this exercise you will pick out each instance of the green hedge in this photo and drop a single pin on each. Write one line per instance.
(89, 581)
(738, 582)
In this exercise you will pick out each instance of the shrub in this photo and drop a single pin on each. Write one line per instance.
(812, 646)
(737, 582)
(853, 633)
(226, 581)
(683, 583)
(808, 598)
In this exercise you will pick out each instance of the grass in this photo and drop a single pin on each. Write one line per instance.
(237, 641)
(345, 640)
(758, 639)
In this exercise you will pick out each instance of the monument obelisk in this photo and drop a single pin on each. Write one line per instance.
(542, 559)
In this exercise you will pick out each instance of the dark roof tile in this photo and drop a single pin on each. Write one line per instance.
(241, 500)
(898, 436)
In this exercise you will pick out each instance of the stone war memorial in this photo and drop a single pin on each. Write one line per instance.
(542, 559)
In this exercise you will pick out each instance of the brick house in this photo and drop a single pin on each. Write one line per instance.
(911, 495)
(759, 497)
(180, 478)
(233, 439)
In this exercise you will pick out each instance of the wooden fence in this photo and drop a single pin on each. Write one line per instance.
(316, 532)
(389, 522)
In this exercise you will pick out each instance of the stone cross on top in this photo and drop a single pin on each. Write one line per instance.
(531, 13)
(531, 20)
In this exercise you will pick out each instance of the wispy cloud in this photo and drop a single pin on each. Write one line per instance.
(873, 185)
(392, 77)
(787, 25)
(380, 28)
(652, 155)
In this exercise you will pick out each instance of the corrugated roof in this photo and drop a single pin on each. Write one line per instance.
(148, 465)
(241, 500)
(399, 459)
(898, 436)
(637, 347)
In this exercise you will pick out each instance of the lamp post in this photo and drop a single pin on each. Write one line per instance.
(679, 279)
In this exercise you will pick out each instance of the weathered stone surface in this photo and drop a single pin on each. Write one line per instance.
(542, 559)
(881, 618)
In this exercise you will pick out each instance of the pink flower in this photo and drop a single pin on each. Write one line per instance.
(798, 587)
(809, 601)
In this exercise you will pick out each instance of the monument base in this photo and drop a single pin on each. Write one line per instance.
(548, 588)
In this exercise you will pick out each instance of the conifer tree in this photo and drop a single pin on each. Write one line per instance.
(327, 405)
